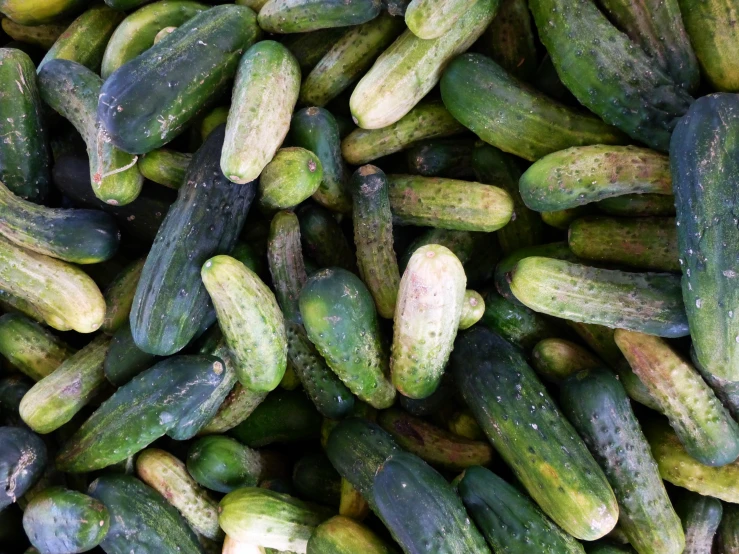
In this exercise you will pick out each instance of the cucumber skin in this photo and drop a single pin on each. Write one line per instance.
(39, 12)
(165, 167)
(477, 92)
(308, 48)
(315, 480)
(223, 464)
(638, 205)
(498, 386)
(124, 359)
(557, 359)
(644, 302)
(728, 531)
(300, 16)
(344, 535)
(292, 176)
(473, 308)
(596, 404)
(205, 220)
(24, 157)
(510, 41)
(286, 264)
(704, 202)
(429, 19)
(119, 296)
(23, 460)
(43, 36)
(141, 519)
(139, 123)
(450, 158)
(700, 516)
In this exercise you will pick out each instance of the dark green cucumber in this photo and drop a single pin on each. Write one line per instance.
(24, 157)
(616, 80)
(508, 519)
(238, 405)
(300, 16)
(286, 263)
(119, 296)
(141, 411)
(728, 531)
(315, 129)
(643, 243)
(700, 516)
(12, 390)
(638, 205)
(451, 158)
(124, 359)
(539, 445)
(647, 303)
(205, 220)
(141, 519)
(705, 201)
(308, 48)
(510, 41)
(342, 535)
(596, 404)
(556, 359)
(323, 240)
(578, 176)
(39, 12)
(166, 167)
(62, 521)
(22, 461)
(198, 63)
(292, 176)
(72, 90)
(316, 480)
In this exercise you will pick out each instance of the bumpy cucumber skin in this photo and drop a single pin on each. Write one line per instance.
(286, 263)
(223, 464)
(293, 175)
(165, 167)
(638, 205)
(581, 175)
(547, 456)
(341, 320)
(596, 404)
(343, 535)
(316, 480)
(39, 12)
(237, 406)
(473, 308)
(429, 19)
(509, 40)
(72, 90)
(24, 157)
(22, 461)
(267, 83)
(556, 359)
(448, 203)
(509, 520)
(308, 48)
(300, 16)
(411, 67)
(647, 303)
(124, 359)
(478, 92)
(700, 516)
(705, 202)
(119, 297)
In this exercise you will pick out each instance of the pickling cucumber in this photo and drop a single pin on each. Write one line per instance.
(700, 516)
(446, 157)
(308, 48)
(473, 308)
(728, 531)
(238, 406)
(43, 36)
(343, 535)
(38, 12)
(292, 176)
(300, 16)
(510, 40)
(429, 19)
(124, 359)
(316, 480)
(638, 205)
(23, 459)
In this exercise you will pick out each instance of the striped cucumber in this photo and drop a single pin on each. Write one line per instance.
(429, 19)
(342, 535)
(473, 308)
(638, 205)
(119, 296)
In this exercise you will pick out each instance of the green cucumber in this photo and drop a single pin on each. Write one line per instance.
(508, 519)
(643, 243)
(411, 67)
(342, 535)
(125, 4)
(141, 411)
(167, 475)
(72, 90)
(238, 406)
(616, 80)
(510, 40)
(62, 521)
(348, 58)
(12, 390)
(448, 203)
(700, 516)
(124, 359)
(728, 531)
(638, 205)
(141, 519)
(315, 479)
(56, 398)
(462, 243)
(43, 36)
(561, 219)
(286, 263)
(197, 66)
(473, 308)
(223, 464)
(24, 157)
(300, 16)
(39, 12)
(704, 201)
(31, 348)
(539, 445)
(373, 237)
(308, 48)
(22, 461)
(165, 167)
(556, 359)
(477, 92)
(647, 303)
(450, 158)
(596, 404)
(727, 391)
(267, 83)
(136, 33)
(85, 39)
(578, 176)
(293, 175)
(119, 296)
(315, 129)
(171, 303)
(341, 320)
(429, 19)
(424, 121)
(217, 116)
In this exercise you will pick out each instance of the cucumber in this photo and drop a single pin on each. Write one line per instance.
(596, 404)
(39, 12)
(462, 243)
(124, 359)
(141, 411)
(315, 129)
(352, 504)
(706, 231)
(648, 303)
(726, 391)
(342, 535)
(510, 41)
(300, 16)
(450, 158)
(473, 308)
(205, 220)
(340, 319)
(167, 475)
(638, 205)
(141, 519)
(238, 405)
(125, 4)
(546, 455)
(24, 157)
(56, 398)
(198, 63)
(43, 36)
(286, 263)
(136, 33)
(22, 461)
(477, 92)
(728, 531)
(617, 81)
(165, 167)
(14, 304)
(292, 176)
(711, 30)
(463, 424)
(62, 521)
(30, 348)
(348, 58)
(424, 121)
(557, 359)
(429, 19)
(85, 39)
(308, 48)
(509, 520)
(700, 516)
(608, 547)
(223, 464)
(12, 390)
(448, 203)
(267, 82)
(643, 243)
(316, 480)
(578, 176)
(119, 296)
(217, 116)
(72, 90)
(373, 237)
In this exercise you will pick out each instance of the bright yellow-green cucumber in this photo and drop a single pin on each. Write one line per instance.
(291, 177)
(429, 19)
(556, 359)
(323, 238)
(301, 16)
(39, 12)
(165, 167)
(342, 535)
(119, 296)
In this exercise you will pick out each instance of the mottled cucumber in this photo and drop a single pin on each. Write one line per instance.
(43, 36)
(292, 176)
(165, 167)
(237, 406)
(429, 19)
(23, 461)
(638, 205)
(700, 516)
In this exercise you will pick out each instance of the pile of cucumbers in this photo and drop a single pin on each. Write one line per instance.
(369, 276)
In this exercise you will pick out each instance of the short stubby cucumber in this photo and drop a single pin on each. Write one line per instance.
(119, 296)
(292, 176)
(638, 205)
(224, 464)
(428, 19)
(556, 359)
(301, 16)
(473, 308)
(23, 460)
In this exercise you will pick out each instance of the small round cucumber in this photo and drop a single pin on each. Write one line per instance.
(292, 176)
